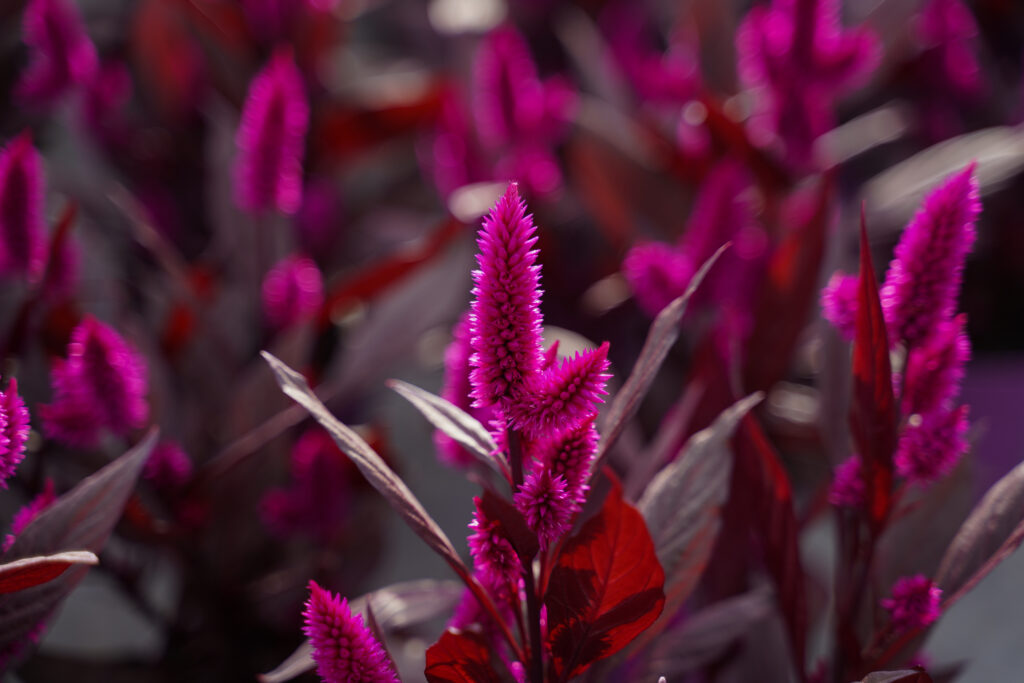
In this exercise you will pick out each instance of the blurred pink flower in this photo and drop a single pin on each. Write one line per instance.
(30, 511)
(932, 445)
(839, 303)
(14, 427)
(915, 602)
(168, 466)
(293, 290)
(22, 226)
(62, 56)
(847, 489)
(936, 368)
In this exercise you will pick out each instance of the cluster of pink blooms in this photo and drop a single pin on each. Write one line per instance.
(914, 602)
(293, 291)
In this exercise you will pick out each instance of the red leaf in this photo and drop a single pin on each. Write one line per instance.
(32, 571)
(873, 410)
(460, 657)
(606, 588)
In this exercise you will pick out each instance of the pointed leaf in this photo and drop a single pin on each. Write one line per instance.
(663, 334)
(82, 519)
(32, 571)
(606, 588)
(902, 676)
(460, 657)
(465, 429)
(873, 409)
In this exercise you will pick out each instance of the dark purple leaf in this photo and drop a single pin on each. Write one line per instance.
(511, 525)
(902, 676)
(460, 657)
(32, 571)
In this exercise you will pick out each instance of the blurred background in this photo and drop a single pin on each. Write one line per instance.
(627, 124)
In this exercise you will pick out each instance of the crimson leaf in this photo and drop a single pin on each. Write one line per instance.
(460, 657)
(32, 571)
(606, 588)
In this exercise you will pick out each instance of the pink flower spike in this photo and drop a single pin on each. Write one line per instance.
(545, 504)
(22, 228)
(550, 356)
(493, 556)
(564, 396)
(456, 390)
(847, 488)
(936, 368)
(915, 602)
(657, 273)
(569, 456)
(931, 445)
(839, 303)
(505, 321)
(924, 276)
(343, 648)
(62, 56)
(33, 509)
(14, 426)
(271, 138)
(168, 467)
(293, 290)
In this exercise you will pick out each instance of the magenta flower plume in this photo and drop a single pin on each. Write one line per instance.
(30, 511)
(456, 390)
(62, 56)
(168, 466)
(656, 273)
(545, 503)
(505, 321)
(493, 556)
(946, 30)
(839, 303)
(293, 290)
(915, 602)
(936, 368)
(847, 488)
(14, 426)
(923, 280)
(271, 138)
(343, 648)
(931, 445)
(565, 396)
(568, 456)
(102, 383)
(22, 228)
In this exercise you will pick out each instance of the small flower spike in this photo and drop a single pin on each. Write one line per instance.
(847, 488)
(657, 273)
(271, 139)
(544, 502)
(505, 321)
(293, 290)
(62, 56)
(935, 369)
(565, 396)
(569, 456)
(22, 230)
(168, 466)
(343, 648)
(924, 276)
(839, 303)
(932, 445)
(915, 602)
(33, 509)
(456, 390)
(14, 426)
(493, 556)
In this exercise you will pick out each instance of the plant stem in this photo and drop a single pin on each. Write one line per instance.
(536, 664)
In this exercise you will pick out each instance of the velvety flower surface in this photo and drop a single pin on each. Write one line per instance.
(915, 602)
(924, 277)
(293, 290)
(839, 303)
(505, 321)
(931, 445)
(271, 138)
(545, 504)
(456, 390)
(568, 455)
(935, 369)
(29, 512)
(493, 556)
(22, 228)
(343, 648)
(61, 54)
(14, 427)
(847, 489)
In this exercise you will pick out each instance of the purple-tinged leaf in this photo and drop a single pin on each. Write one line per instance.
(395, 607)
(901, 676)
(511, 525)
(455, 422)
(663, 334)
(461, 657)
(604, 591)
(705, 636)
(81, 519)
(32, 571)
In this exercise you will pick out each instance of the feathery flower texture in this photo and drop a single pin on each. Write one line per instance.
(293, 290)
(847, 488)
(14, 426)
(62, 56)
(839, 303)
(915, 602)
(343, 648)
(271, 139)
(544, 502)
(456, 390)
(30, 511)
(22, 230)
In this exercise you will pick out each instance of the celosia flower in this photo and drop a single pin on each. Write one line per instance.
(946, 28)
(456, 390)
(14, 426)
(797, 58)
(839, 303)
(550, 356)
(33, 509)
(168, 466)
(915, 602)
(564, 396)
(545, 505)
(493, 556)
(936, 368)
(271, 138)
(568, 455)
(101, 384)
(505, 321)
(343, 648)
(931, 445)
(62, 56)
(22, 230)
(293, 290)
(847, 489)
(657, 273)
(923, 280)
